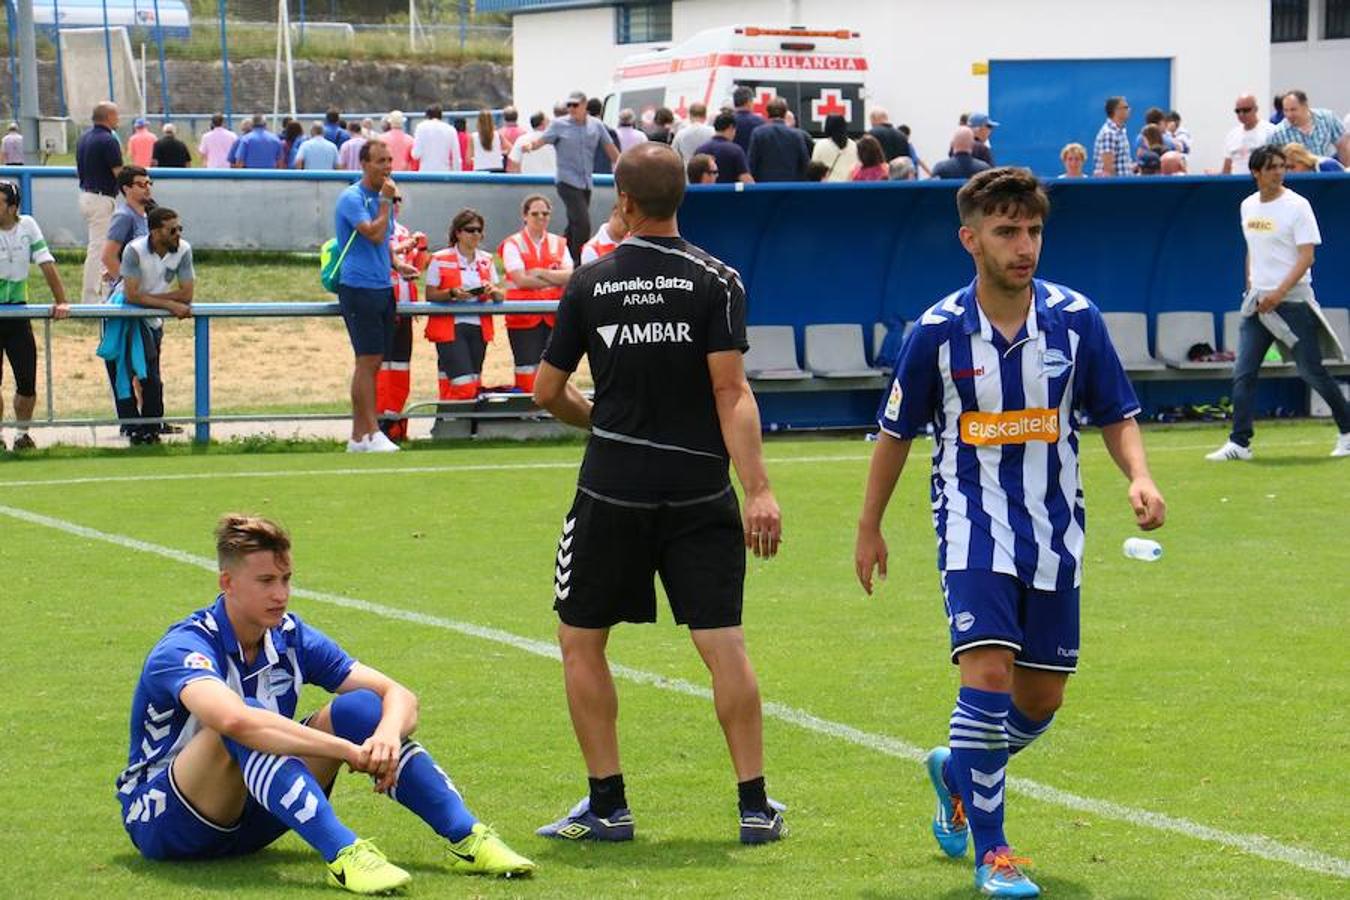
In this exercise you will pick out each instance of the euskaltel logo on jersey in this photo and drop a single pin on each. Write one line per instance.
(645, 333)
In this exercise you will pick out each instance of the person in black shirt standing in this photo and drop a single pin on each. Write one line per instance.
(663, 326)
(170, 152)
(98, 159)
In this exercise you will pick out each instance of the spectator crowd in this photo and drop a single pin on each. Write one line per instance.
(136, 254)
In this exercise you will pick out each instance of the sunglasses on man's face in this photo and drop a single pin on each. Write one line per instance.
(573, 105)
(1243, 110)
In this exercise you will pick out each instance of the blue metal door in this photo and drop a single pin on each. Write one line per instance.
(1041, 105)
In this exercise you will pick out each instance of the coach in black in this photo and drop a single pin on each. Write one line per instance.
(663, 325)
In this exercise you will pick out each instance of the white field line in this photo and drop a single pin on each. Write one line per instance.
(481, 467)
(1252, 844)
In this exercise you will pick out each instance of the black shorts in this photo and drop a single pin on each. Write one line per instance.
(16, 342)
(611, 549)
(369, 314)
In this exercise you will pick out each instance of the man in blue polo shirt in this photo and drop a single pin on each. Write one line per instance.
(259, 149)
(1002, 369)
(732, 165)
(98, 159)
(218, 766)
(364, 224)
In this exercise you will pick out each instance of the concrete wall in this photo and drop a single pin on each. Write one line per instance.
(1319, 67)
(921, 53)
(283, 212)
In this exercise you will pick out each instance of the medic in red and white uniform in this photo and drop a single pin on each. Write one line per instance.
(610, 235)
(537, 267)
(392, 382)
(461, 273)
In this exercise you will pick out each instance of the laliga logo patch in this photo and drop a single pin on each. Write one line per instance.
(1054, 363)
(196, 660)
(893, 402)
(964, 621)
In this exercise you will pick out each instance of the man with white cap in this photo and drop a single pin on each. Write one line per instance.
(11, 146)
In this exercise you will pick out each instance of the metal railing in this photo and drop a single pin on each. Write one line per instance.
(202, 314)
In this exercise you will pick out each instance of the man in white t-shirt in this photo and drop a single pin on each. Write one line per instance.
(1281, 233)
(22, 245)
(543, 161)
(436, 144)
(1252, 131)
(694, 134)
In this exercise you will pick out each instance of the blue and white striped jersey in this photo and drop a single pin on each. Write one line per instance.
(1006, 491)
(204, 646)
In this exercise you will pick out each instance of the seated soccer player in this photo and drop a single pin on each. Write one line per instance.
(217, 765)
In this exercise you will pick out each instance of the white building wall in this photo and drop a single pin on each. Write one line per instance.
(1319, 68)
(920, 53)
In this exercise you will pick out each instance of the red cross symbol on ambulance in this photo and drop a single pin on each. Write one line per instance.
(831, 103)
(762, 100)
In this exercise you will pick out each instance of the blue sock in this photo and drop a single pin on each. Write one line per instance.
(979, 746)
(285, 787)
(421, 785)
(1022, 730)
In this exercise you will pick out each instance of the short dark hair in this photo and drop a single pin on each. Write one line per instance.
(1262, 156)
(537, 119)
(652, 175)
(1172, 116)
(663, 116)
(354, 126)
(723, 122)
(1153, 115)
(1112, 104)
(158, 216)
(903, 129)
(462, 218)
(434, 111)
(364, 155)
(1005, 191)
(12, 194)
(700, 164)
(777, 108)
(240, 535)
(217, 120)
(259, 120)
(816, 170)
(1298, 95)
(509, 114)
(333, 114)
(741, 96)
(127, 175)
(594, 107)
(698, 111)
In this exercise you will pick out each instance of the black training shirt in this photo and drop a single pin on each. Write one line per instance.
(647, 316)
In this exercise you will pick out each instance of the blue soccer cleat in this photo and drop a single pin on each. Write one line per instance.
(949, 822)
(583, 825)
(764, 827)
(1001, 875)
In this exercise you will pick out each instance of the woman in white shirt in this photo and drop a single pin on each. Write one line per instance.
(488, 152)
(836, 150)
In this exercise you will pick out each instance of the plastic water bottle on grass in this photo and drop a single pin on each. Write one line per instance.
(1143, 548)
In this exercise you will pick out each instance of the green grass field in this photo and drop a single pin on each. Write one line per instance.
(1212, 697)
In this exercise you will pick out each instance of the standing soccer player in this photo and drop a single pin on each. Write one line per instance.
(663, 325)
(219, 767)
(1000, 369)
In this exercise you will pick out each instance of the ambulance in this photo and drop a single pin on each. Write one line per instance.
(818, 71)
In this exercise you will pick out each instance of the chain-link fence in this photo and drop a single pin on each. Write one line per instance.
(229, 31)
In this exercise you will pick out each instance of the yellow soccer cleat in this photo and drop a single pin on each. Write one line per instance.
(363, 869)
(484, 853)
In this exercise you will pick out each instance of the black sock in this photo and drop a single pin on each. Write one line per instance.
(752, 796)
(607, 795)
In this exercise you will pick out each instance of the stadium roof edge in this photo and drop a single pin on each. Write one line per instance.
(517, 7)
